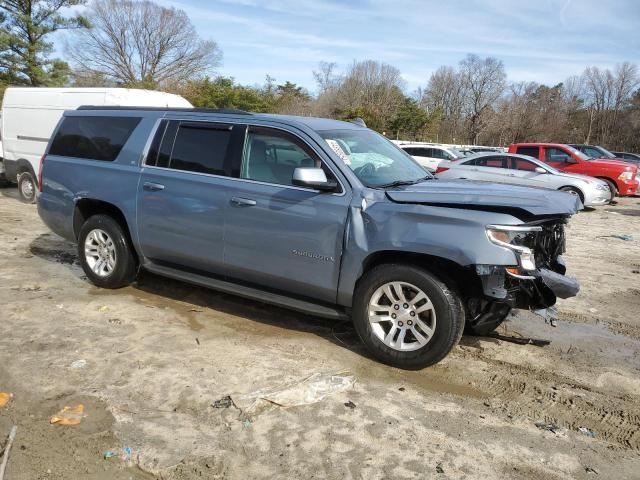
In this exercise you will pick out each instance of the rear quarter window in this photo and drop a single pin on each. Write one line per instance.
(529, 151)
(94, 138)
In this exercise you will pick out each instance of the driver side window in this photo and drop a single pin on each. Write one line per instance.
(552, 154)
(271, 156)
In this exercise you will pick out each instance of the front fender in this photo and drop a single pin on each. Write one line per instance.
(457, 235)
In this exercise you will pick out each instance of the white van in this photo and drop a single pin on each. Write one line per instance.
(30, 115)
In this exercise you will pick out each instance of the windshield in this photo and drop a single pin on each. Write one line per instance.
(605, 153)
(374, 159)
(578, 153)
(456, 153)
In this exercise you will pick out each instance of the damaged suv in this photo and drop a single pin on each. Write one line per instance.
(320, 216)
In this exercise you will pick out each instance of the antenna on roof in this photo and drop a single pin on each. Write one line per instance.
(358, 121)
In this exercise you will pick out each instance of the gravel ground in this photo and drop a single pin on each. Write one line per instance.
(149, 361)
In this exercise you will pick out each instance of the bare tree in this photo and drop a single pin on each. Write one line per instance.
(371, 89)
(325, 76)
(484, 81)
(141, 43)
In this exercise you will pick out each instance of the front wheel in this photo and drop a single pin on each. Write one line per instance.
(105, 253)
(407, 317)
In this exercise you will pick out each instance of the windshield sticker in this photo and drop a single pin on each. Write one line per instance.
(335, 146)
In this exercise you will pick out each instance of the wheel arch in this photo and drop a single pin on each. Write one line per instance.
(577, 189)
(87, 207)
(460, 278)
(609, 181)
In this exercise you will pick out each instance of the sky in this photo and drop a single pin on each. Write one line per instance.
(544, 41)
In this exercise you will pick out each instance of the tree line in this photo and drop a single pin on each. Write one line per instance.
(138, 43)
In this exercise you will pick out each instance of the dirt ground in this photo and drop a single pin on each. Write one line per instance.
(149, 361)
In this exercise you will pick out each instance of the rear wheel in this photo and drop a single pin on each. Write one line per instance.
(105, 253)
(27, 187)
(407, 317)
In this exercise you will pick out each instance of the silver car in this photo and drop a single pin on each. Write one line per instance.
(527, 171)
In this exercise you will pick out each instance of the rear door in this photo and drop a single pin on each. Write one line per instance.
(277, 235)
(493, 169)
(182, 193)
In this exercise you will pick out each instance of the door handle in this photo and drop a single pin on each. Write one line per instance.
(243, 202)
(152, 187)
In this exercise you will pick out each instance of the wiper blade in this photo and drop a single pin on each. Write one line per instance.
(399, 183)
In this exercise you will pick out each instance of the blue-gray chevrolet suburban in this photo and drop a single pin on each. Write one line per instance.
(320, 216)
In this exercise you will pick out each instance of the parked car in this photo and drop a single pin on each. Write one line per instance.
(628, 157)
(317, 215)
(429, 156)
(622, 177)
(596, 151)
(527, 171)
(29, 116)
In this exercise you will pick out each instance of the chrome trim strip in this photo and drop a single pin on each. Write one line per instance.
(519, 277)
(147, 146)
(515, 228)
(32, 139)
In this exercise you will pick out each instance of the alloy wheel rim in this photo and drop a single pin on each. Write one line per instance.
(27, 188)
(402, 316)
(100, 252)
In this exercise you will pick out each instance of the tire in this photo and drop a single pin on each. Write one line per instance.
(446, 326)
(27, 187)
(573, 191)
(113, 264)
(612, 187)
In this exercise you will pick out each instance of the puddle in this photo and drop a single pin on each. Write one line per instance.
(595, 340)
(631, 212)
(59, 256)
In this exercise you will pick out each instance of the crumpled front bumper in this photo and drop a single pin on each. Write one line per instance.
(561, 285)
(531, 290)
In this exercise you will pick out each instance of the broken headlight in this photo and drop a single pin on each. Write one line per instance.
(516, 238)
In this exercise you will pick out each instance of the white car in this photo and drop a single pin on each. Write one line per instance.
(430, 156)
(526, 171)
(30, 115)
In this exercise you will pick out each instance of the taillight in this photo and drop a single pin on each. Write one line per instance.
(40, 174)
(441, 169)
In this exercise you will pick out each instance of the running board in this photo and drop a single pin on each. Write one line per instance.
(249, 292)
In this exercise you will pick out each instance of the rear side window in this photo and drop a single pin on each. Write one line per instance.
(521, 164)
(494, 162)
(530, 151)
(95, 138)
(200, 147)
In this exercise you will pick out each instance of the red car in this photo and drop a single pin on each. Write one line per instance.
(622, 177)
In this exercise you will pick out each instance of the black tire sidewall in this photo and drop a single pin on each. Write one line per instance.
(124, 272)
(612, 186)
(27, 177)
(449, 317)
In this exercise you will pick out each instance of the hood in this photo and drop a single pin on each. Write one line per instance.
(608, 162)
(523, 202)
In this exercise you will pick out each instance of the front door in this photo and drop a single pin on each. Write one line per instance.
(277, 235)
(182, 194)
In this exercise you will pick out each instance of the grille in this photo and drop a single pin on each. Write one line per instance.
(549, 244)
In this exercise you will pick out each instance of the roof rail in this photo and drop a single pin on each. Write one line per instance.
(228, 111)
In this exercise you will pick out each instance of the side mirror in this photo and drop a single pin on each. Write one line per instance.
(540, 170)
(313, 178)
